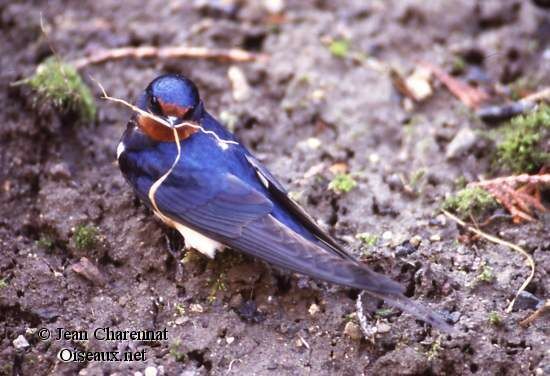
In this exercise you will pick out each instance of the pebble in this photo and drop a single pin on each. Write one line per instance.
(353, 331)
(418, 84)
(150, 371)
(236, 301)
(241, 89)
(229, 340)
(387, 235)
(415, 241)
(60, 171)
(435, 238)
(464, 140)
(196, 308)
(274, 6)
(383, 328)
(405, 249)
(309, 144)
(394, 182)
(314, 309)
(20, 342)
(526, 300)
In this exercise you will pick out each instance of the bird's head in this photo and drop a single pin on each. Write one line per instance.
(173, 98)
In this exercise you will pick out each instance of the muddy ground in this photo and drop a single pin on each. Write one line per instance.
(235, 314)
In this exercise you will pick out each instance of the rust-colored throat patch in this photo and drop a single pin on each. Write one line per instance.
(160, 132)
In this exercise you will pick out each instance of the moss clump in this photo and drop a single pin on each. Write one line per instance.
(85, 237)
(522, 149)
(176, 351)
(45, 242)
(494, 318)
(367, 238)
(342, 183)
(384, 312)
(61, 85)
(470, 201)
(3, 283)
(486, 274)
(339, 48)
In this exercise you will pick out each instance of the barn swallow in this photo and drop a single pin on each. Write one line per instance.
(219, 195)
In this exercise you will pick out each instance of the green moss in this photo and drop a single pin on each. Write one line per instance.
(176, 351)
(416, 177)
(180, 309)
(486, 274)
(339, 48)
(522, 149)
(494, 318)
(61, 85)
(217, 285)
(435, 349)
(3, 283)
(367, 238)
(384, 312)
(45, 242)
(85, 237)
(342, 183)
(470, 201)
(459, 65)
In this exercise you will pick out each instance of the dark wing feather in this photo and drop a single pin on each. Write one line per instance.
(281, 195)
(219, 208)
(270, 240)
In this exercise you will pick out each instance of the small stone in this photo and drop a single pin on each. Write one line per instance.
(395, 182)
(387, 235)
(309, 144)
(464, 140)
(20, 342)
(274, 6)
(353, 331)
(526, 300)
(229, 340)
(404, 249)
(314, 309)
(229, 119)
(451, 317)
(241, 89)
(150, 371)
(374, 158)
(435, 238)
(415, 241)
(418, 84)
(88, 270)
(383, 328)
(60, 171)
(236, 301)
(196, 308)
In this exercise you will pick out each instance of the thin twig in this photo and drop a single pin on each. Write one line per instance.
(512, 246)
(232, 54)
(159, 119)
(471, 96)
(543, 179)
(518, 201)
(532, 317)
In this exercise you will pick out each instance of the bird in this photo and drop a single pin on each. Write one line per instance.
(197, 177)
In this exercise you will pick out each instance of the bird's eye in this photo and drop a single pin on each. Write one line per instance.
(155, 106)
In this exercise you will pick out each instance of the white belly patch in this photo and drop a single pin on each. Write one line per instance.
(120, 149)
(193, 239)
